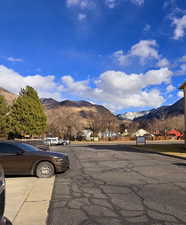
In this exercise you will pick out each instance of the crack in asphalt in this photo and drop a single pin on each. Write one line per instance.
(108, 188)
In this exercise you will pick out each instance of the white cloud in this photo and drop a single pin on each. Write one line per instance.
(82, 4)
(182, 70)
(82, 16)
(118, 90)
(147, 28)
(45, 85)
(155, 77)
(181, 62)
(143, 50)
(150, 99)
(71, 85)
(71, 3)
(111, 3)
(137, 2)
(115, 89)
(82, 7)
(116, 81)
(120, 82)
(170, 4)
(180, 24)
(182, 59)
(170, 88)
(12, 59)
(163, 63)
(121, 58)
(180, 94)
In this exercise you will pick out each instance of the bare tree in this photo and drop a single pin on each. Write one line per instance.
(64, 123)
(96, 124)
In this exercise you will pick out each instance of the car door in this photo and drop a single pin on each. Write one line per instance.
(12, 159)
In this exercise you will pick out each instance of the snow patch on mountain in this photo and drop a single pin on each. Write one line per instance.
(132, 115)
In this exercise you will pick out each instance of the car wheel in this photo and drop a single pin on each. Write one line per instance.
(44, 170)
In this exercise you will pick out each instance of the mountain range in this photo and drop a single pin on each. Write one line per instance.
(164, 112)
(85, 110)
(82, 110)
(161, 113)
(50, 103)
(74, 113)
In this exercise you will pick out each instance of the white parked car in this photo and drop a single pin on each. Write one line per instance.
(55, 141)
(51, 141)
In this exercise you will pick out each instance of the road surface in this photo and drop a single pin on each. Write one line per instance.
(117, 185)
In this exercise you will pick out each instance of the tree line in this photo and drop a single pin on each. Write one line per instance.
(25, 117)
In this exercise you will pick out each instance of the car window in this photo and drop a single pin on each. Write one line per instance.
(8, 148)
(26, 147)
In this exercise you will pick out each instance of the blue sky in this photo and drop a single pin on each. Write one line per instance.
(128, 55)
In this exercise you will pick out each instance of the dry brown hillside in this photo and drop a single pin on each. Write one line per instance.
(7, 95)
(73, 116)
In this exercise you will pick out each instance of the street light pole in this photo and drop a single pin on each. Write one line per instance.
(183, 87)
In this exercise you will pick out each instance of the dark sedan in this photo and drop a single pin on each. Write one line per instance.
(24, 159)
(3, 220)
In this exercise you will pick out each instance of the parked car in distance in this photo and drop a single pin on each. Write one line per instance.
(24, 159)
(65, 142)
(3, 220)
(55, 141)
(51, 141)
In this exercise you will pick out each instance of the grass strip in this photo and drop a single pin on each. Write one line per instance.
(168, 149)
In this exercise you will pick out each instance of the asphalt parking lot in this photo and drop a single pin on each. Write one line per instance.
(117, 185)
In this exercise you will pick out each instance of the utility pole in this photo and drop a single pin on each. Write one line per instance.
(183, 87)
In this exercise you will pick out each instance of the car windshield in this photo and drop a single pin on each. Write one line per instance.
(27, 147)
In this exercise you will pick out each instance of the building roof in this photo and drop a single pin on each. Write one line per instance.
(174, 132)
(141, 132)
(183, 85)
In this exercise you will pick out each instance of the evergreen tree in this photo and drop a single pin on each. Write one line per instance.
(27, 115)
(3, 114)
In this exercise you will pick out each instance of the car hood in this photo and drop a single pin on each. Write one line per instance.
(53, 154)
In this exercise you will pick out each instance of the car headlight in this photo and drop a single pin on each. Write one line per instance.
(59, 159)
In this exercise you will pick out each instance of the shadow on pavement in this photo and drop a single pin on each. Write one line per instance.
(127, 148)
(18, 176)
(180, 164)
(123, 148)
